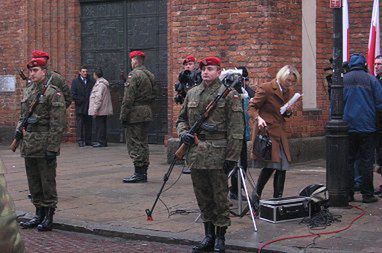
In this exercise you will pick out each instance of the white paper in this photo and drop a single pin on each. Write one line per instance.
(293, 100)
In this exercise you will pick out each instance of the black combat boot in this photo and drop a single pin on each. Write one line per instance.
(278, 183)
(140, 175)
(207, 244)
(36, 220)
(220, 239)
(47, 223)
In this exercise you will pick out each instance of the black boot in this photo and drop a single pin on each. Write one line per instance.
(207, 244)
(264, 176)
(220, 239)
(37, 219)
(140, 175)
(278, 183)
(47, 223)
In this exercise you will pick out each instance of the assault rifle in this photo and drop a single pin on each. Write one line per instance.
(19, 132)
(194, 130)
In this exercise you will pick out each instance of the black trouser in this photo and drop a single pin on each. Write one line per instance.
(84, 128)
(363, 145)
(378, 148)
(243, 164)
(100, 129)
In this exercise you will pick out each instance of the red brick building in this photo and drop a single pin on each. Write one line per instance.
(260, 34)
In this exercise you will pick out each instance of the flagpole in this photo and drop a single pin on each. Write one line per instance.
(336, 129)
(374, 37)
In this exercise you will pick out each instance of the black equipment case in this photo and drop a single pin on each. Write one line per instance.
(284, 209)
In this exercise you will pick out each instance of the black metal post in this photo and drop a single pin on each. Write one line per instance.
(336, 128)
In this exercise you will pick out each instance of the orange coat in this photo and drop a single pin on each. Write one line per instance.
(266, 103)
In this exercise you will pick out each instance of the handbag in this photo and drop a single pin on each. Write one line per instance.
(262, 146)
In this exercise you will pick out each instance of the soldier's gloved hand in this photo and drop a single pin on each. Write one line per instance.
(123, 76)
(228, 166)
(124, 123)
(50, 156)
(18, 135)
(187, 138)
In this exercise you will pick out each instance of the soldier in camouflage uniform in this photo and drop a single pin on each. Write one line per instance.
(11, 241)
(136, 114)
(41, 143)
(57, 79)
(215, 153)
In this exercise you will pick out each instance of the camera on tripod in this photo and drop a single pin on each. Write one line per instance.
(187, 79)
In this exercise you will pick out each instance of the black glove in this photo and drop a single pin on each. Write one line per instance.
(123, 76)
(18, 135)
(50, 156)
(228, 166)
(187, 138)
(124, 123)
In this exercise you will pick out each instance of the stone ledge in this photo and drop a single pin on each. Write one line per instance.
(302, 149)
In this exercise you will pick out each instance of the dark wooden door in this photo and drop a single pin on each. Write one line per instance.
(109, 31)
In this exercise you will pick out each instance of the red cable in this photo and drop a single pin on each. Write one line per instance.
(318, 234)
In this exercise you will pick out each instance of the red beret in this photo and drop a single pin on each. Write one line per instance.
(136, 53)
(36, 62)
(189, 58)
(209, 61)
(40, 54)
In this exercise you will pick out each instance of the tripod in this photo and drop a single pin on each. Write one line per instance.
(241, 181)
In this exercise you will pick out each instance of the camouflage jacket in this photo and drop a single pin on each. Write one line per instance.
(138, 96)
(60, 83)
(223, 141)
(10, 240)
(46, 126)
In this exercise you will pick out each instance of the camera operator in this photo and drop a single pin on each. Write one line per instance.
(188, 78)
(246, 94)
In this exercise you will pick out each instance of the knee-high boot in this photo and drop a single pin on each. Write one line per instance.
(278, 183)
(264, 176)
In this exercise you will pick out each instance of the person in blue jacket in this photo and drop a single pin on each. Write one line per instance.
(362, 98)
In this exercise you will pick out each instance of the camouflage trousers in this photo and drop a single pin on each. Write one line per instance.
(10, 241)
(137, 143)
(211, 190)
(41, 176)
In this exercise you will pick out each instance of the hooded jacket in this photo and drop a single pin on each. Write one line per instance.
(100, 99)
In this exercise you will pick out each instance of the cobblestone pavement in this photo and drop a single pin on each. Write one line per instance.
(58, 241)
(92, 197)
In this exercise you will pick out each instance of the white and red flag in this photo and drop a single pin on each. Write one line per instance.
(345, 31)
(374, 39)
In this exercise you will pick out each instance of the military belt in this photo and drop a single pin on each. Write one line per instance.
(32, 128)
(212, 136)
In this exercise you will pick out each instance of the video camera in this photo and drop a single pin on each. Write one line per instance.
(235, 77)
(187, 79)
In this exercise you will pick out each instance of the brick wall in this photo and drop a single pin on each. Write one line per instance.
(260, 34)
(12, 53)
(52, 26)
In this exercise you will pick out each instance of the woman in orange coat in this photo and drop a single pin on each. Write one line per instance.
(264, 110)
